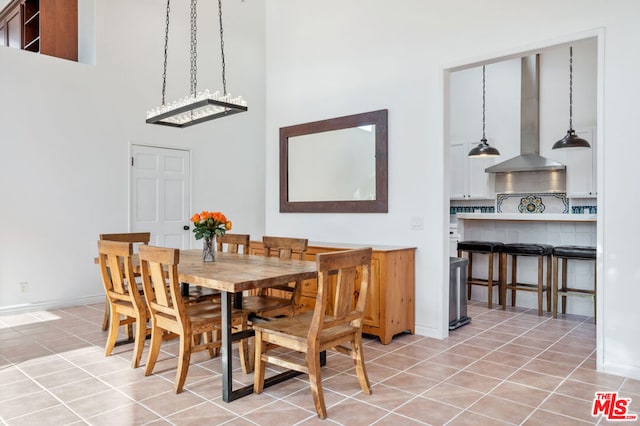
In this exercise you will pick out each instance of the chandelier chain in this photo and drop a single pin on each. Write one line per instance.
(194, 43)
(483, 104)
(570, 87)
(224, 77)
(166, 47)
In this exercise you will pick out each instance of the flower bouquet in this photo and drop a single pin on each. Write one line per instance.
(209, 225)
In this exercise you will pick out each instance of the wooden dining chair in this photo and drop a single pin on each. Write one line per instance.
(124, 301)
(286, 300)
(171, 317)
(333, 322)
(128, 237)
(232, 243)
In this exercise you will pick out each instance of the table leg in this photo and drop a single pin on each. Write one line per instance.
(228, 394)
(226, 356)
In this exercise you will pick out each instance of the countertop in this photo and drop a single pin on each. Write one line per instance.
(536, 217)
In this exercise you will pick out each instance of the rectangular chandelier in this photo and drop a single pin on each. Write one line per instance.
(196, 109)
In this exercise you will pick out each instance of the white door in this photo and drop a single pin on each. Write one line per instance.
(160, 195)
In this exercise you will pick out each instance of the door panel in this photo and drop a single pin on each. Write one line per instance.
(160, 195)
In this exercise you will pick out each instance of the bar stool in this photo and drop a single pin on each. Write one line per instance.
(483, 247)
(542, 252)
(572, 253)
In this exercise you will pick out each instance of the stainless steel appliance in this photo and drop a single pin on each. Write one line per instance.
(457, 293)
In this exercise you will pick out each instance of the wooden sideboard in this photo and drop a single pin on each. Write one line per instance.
(391, 304)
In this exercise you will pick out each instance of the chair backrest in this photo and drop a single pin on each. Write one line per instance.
(128, 237)
(116, 270)
(344, 264)
(234, 242)
(159, 265)
(285, 247)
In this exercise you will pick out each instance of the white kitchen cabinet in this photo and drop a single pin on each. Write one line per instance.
(582, 168)
(468, 180)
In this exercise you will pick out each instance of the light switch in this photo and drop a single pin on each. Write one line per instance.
(417, 223)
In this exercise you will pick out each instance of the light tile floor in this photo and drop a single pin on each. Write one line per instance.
(506, 367)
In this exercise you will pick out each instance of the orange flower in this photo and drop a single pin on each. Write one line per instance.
(207, 224)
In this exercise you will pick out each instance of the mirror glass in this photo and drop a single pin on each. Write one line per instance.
(335, 165)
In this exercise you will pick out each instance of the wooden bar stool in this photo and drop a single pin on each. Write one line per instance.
(572, 253)
(542, 252)
(489, 248)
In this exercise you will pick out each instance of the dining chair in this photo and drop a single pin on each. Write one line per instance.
(127, 237)
(333, 323)
(233, 243)
(286, 301)
(171, 317)
(124, 300)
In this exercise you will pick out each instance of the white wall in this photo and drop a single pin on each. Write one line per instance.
(332, 58)
(66, 129)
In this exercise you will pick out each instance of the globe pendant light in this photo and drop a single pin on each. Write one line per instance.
(483, 149)
(571, 140)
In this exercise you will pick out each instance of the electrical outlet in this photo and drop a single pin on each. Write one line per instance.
(24, 287)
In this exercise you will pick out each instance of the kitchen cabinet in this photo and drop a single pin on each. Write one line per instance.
(468, 179)
(391, 299)
(582, 168)
(49, 27)
(10, 24)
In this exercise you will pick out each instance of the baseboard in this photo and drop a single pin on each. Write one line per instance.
(425, 331)
(51, 304)
(617, 369)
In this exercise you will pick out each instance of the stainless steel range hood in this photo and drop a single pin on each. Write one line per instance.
(529, 159)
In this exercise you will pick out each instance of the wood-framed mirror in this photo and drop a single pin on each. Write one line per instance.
(337, 165)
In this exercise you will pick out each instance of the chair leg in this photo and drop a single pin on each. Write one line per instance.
(490, 282)
(514, 276)
(245, 352)
(564, 285)
(554, 309)
(105, 319)
(114, 326)
(503, 280)
(138, 343)
(548, 286)
(183, 362)
(154, 349)
(357, 354)
(259, 364)
(469, 275)
(540, 283)
(315, 380)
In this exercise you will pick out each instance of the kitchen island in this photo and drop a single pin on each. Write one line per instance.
(544, 228)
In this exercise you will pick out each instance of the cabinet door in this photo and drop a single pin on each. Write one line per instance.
(14, 37)
(468, 180)
(480, 182)
(581, 168)
(458, 172)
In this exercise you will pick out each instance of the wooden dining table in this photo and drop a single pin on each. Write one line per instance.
(232, 274)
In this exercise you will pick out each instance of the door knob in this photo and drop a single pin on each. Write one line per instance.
(186, 227)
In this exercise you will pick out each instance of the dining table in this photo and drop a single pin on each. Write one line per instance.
(234, 274)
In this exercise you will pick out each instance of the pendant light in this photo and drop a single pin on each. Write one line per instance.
(483, 149)
(571, 140)
(198, 107)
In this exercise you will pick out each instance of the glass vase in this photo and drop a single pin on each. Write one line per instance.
(209, 249)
